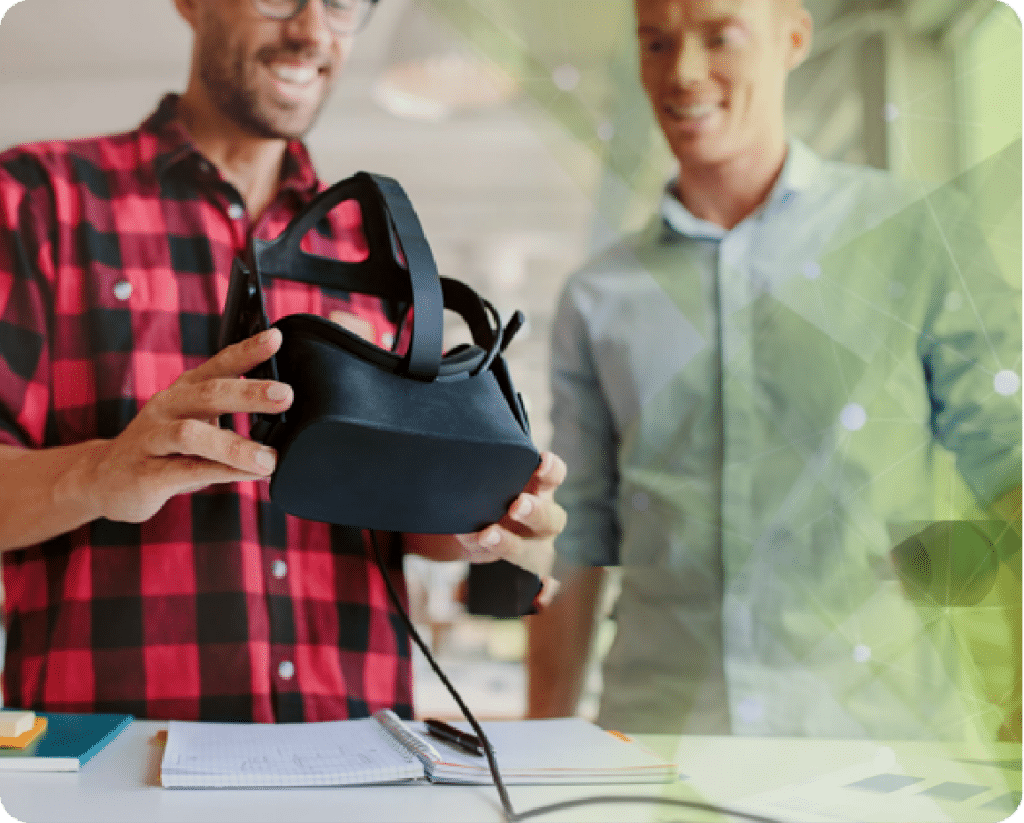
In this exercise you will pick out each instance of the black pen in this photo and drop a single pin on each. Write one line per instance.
(449, 734)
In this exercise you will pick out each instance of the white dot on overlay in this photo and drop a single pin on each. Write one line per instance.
(566, 77)
(853, 416)
(1006, 382)
(641, 501)
(811, 269)
(861, 653)
(750, 709)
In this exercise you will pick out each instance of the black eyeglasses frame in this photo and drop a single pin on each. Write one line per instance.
(369, 5)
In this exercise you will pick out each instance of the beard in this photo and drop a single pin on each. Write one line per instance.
(230, 80)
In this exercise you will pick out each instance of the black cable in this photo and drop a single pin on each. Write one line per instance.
(511, 816)
(499, 784)
(625, 798)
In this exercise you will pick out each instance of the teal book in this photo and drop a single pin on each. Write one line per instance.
(68, 741)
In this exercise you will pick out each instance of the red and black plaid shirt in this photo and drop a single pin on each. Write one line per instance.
(115, 254)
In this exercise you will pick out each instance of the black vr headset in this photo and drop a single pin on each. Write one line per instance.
(420, 442)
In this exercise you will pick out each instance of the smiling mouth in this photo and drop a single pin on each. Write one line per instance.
(294, 78)
(295, 75)
(692, 112)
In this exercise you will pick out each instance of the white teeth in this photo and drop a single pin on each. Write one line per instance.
(300, 75)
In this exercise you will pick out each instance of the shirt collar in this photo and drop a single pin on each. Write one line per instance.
(799, 171)
(172, 147)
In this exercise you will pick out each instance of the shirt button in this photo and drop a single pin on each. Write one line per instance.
(279, 569)
(122, 290)
(236, 211)
(286, 671)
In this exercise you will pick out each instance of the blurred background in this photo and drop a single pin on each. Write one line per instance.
(522, 136)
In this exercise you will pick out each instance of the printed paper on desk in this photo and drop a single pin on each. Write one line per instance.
(898, 789)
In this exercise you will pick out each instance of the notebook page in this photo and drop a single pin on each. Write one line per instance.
(285, 754)
(555, 751)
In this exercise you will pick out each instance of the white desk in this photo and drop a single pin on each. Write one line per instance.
(121, 783)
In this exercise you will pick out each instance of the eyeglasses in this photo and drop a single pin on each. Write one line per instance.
(343, 16)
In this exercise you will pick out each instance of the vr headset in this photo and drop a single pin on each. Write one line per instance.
(425, 441)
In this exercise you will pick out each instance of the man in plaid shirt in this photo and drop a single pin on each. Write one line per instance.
(145, 570)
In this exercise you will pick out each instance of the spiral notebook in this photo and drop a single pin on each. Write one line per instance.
(386, 749)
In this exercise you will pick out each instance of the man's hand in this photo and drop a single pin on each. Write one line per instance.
(524, 536)
(175, 446)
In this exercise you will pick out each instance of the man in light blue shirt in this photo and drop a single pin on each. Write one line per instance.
(754, 396)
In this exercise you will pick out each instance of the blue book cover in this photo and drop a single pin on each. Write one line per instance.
(68, 742)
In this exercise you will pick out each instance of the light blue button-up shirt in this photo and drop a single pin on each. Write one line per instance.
(752, 420)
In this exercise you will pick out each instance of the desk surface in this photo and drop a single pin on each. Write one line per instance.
(121, 783)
